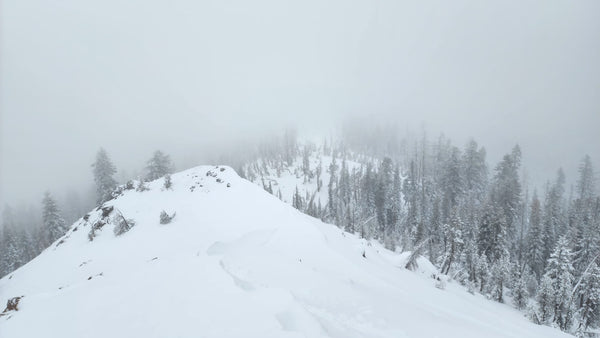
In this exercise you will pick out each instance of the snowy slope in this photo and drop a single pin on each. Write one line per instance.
(235, 262)
(287, 180)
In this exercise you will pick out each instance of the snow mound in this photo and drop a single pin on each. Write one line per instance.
(235, 261)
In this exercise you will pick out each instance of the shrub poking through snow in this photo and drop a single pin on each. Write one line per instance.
(141, 186)
(107, 210)
(97, 226)
(168, 184)
(12, 305)
(122, 225)
(111, 215)
(165, 218)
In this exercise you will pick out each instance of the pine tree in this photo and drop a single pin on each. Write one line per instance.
(560, 271)
(451, 183)
(474, 170)
(554, 218)
(410, 190)
(535, 239)
(319, 171)
(103, 176)
(586, 185)
(306, 164)
(297, 201)
(453, 242)
(500, 278)
(332, 188)
(394, 205)
(492, 239)
(345, 183)
(382, 193)
(367, 188)
(469, 260)
(506, 191)
(588, 313)
(12, 249)
(482, 271)
(587, 234)
(520, 295)
(158, 166)
(53, 223)
(545, 300)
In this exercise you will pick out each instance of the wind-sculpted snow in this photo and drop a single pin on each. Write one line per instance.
(234, 262)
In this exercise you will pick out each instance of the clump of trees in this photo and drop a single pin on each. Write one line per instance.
(19, 243)
(26, 232)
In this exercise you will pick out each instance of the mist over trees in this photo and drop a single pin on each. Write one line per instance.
(158, 166)
(28, 230)
(480, 224)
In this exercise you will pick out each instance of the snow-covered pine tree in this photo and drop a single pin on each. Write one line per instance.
(410, 190)
(535, 239)
(468, 261)
(367, 192)
(318, 172)
(506, 191)
(560, 271)
(394, 209)
(499, 278)
(520, 295)
(297, 201)
(158, 166)
(332, 187)
(586, 185)
(453, 242)
(588, 300)
(451, 183)
(492, 239)
(475, 171)
(103, 171)
(587, 234)
(382, 193)
(545, 300)
(308, 175)
(12, 249)
(53, 224)
(554, 217)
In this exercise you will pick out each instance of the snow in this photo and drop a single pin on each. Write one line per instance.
(236, 262)
(291, 177)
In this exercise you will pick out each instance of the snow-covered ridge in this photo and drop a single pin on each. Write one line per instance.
(235, 261)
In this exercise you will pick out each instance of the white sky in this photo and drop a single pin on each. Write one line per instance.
(183, 76)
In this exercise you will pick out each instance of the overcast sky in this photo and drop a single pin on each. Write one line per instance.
(183, 76)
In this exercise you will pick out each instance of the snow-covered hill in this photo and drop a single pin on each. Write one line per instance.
(234, 262)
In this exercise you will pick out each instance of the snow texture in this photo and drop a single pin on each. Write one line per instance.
(235, 262)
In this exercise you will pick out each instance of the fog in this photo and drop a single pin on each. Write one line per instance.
(195, 78)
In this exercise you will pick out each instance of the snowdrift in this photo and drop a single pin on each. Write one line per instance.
(234, 262)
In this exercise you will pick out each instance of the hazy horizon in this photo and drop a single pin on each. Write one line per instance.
(194, 78)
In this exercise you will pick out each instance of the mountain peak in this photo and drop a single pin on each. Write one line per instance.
(233, 262)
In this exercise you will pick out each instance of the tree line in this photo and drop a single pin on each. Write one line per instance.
(24, 235)
(480, 225)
